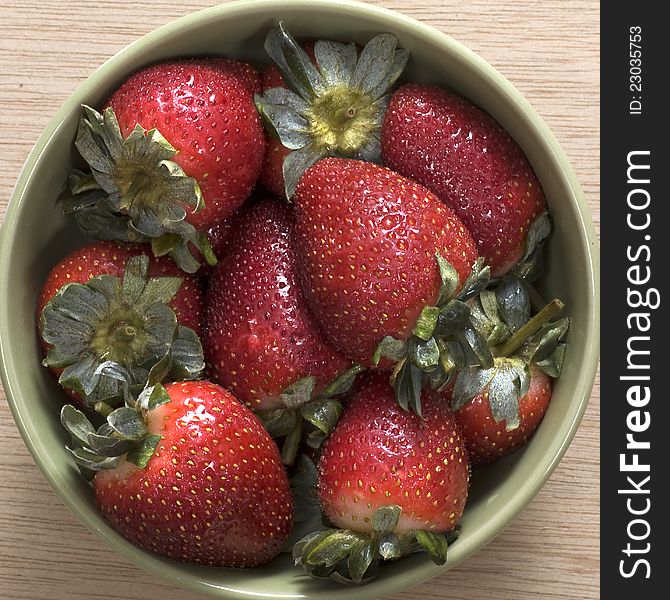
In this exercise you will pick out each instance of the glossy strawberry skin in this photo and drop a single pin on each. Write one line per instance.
(486, 440)
(368, 239)
(214, 493)
(380, 454)
(109, 258)
(470, 162)
(208, 115)
(272, 174)
(219, 236)
(260, 336)
(243, 71)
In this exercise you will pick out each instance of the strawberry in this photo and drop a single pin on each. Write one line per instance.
(247, 75)
(189, 473)
(381, 256)
(259, 336)
(203, 152)
(109, 258)
(499, 406)
(471, 163)
(389, 479)
(111, 319)
(272, 174)
(333, 106)
(488, 440)
(260, 339)
(219, 236)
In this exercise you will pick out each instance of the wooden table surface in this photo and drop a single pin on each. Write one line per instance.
(549, 51)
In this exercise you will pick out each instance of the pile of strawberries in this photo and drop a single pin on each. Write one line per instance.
(276, 343)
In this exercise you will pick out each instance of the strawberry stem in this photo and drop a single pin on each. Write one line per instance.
(531, 327)
(291, 444)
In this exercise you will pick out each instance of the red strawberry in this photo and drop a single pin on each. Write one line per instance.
(207, 486)
(219, 236)
(499, 407)
(272, 175)
(109, 258)
(471, 163)
(247, 75)
(182, 148)
(368, 240)
(487, 440)
(260, 337)
(388, 477)
(208, 116)
(324, 98)
(108, 314)
(380, 454)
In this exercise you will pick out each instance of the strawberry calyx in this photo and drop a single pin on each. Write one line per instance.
(353, 557)
(443, 338)
(112, 335)
(531, 264)
(123, 435)
(519, 342)
(333, 108)
(134, 191)
(306, 416)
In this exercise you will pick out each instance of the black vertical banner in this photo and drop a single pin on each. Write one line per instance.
(635, 198)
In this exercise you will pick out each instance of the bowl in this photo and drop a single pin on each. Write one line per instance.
(35, 235)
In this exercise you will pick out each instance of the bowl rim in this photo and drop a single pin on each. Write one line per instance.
(560, 166)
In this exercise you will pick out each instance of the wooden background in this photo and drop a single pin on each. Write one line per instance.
(548, 49)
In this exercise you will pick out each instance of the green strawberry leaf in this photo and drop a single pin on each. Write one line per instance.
(407, 386)
(470, 382)
(435, 544)
(299, 392)
(296, 163)
(553, 364)
(342, 383)
(336, 61)
(425, 355)
(360, 559)
(93, 462)
(142, 453)
(152, 397)
(391, 348)
(385, 519)
(323, 414)
(104, 445)
(449, 277)
(293, 63)
(513, 302)
(127, 423)
(76, 424)
(538, 233)
(332, 548)
(477, 280)
(389, 546)
(376, 65)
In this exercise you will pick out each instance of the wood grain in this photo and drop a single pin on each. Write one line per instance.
(548, 49)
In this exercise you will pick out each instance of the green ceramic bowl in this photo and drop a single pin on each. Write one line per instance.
(35, 235)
